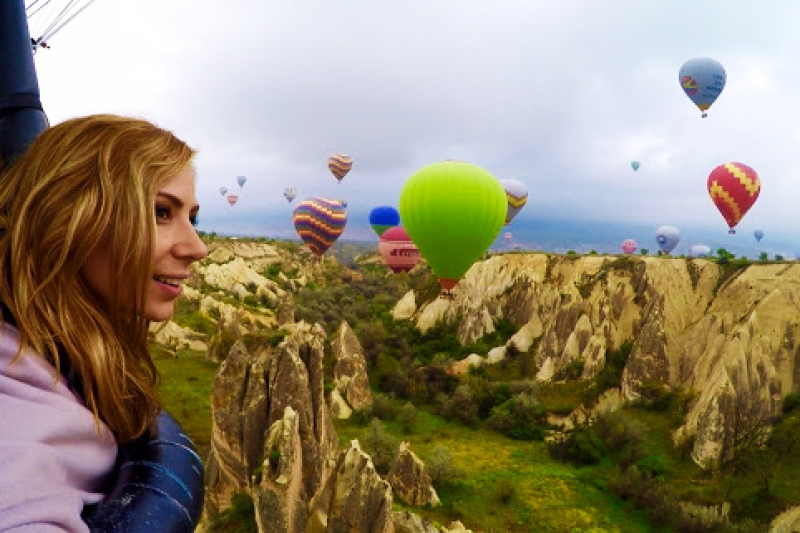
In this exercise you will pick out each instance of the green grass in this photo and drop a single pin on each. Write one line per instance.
(546, 495)
(186, 382)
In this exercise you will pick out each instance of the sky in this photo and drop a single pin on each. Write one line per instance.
(561, 94)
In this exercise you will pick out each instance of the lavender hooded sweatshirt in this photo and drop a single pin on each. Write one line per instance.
(52, 459)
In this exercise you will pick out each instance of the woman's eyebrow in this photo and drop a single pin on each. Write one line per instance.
(177, 201)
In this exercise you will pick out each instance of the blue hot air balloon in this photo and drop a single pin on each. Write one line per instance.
(699, 250)
(383, 217)
(667, 238)
(702, 79)
(635, 165)
(759, 234)
(241, 180)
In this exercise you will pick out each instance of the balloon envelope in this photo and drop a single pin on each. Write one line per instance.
(398, 250)
(340, 165)
(517, 197)
(453, 211)
(759, 234)
(667, 238)
(734, 188)
(290, 193)
(382, 218)
(223, 191)
(241, 180)
(699, 250)
(319, 222)
(635, 165)
(702, 79)
(629, 246)
(232, 199)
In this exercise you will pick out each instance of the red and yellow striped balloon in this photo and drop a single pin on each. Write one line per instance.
(733, 188)
(319, 222)
(340, 165)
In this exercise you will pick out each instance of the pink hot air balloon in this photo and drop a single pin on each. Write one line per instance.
(232, 198)
(398, 250)
(629, 246)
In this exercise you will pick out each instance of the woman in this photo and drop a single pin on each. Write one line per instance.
(96, 236)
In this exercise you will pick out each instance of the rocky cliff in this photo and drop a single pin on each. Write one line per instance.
(730, 332)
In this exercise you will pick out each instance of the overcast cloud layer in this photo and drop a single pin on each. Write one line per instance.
(561, 95)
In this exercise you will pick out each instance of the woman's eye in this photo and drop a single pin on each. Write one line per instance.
(162, 213)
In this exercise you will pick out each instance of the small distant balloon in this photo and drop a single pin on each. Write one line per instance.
(759, 234)
(319, 222)
(517, 196)
(629, 246)
(667, 238)
(290, 193)
(734, 188)
(398, 250)
(223, 191)
(635, 165)
(343, 202)
(699, 250)
(241, 180)
(232, 199)
(702, 79)
(340, 165)
(508, 237)
(382, 218)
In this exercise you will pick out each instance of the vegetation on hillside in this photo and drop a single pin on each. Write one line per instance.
(499, 463)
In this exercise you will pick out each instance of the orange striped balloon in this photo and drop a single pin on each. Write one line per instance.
(734, 188)
(319, 222)
(340, 165)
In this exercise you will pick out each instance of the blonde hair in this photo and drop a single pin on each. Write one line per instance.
(83, 181)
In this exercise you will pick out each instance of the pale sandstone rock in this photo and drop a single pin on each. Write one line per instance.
(350, 373)
(354, 499)
(339, 407)
(408, 478)
(786, 522)
(405, 307)
(688, 332)
(408, 522)
(172, 335)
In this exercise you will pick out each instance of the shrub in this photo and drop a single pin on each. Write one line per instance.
(440, 468)
(791, 402)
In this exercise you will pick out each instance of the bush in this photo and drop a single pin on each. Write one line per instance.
(791, 402)
(407, 417)
(579, 447)
(440, 468)
(380, 445)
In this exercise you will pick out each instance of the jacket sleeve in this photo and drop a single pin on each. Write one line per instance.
(54, 458)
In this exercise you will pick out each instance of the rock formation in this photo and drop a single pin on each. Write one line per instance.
(350, 373)
(732, 335)
(409, 480)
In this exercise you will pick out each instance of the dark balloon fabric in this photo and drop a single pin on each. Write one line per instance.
(383, 217)
(159, 485)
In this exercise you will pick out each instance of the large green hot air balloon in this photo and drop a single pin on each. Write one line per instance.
(453, 211)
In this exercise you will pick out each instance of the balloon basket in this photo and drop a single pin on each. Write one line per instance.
(731, 231)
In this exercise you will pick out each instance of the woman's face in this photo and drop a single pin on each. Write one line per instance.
(177, 247)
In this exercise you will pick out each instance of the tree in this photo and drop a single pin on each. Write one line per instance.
(763, 257)
(644, 251)
(440, 468)
(380, 445)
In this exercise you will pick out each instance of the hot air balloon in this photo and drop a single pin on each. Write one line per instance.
(667, 238)
(508, 237)
(699, 250)
(232, 199)
(398, 250)
(382, 218)
(340, 165)
(702, 79)
(635, 165)
(223, 191)
(759, 234)
(733, 188)
(516, 195)
(343, 202)
(289, 193)
(629, 246)
(319, 222)
(453, 211)
(241, 180)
